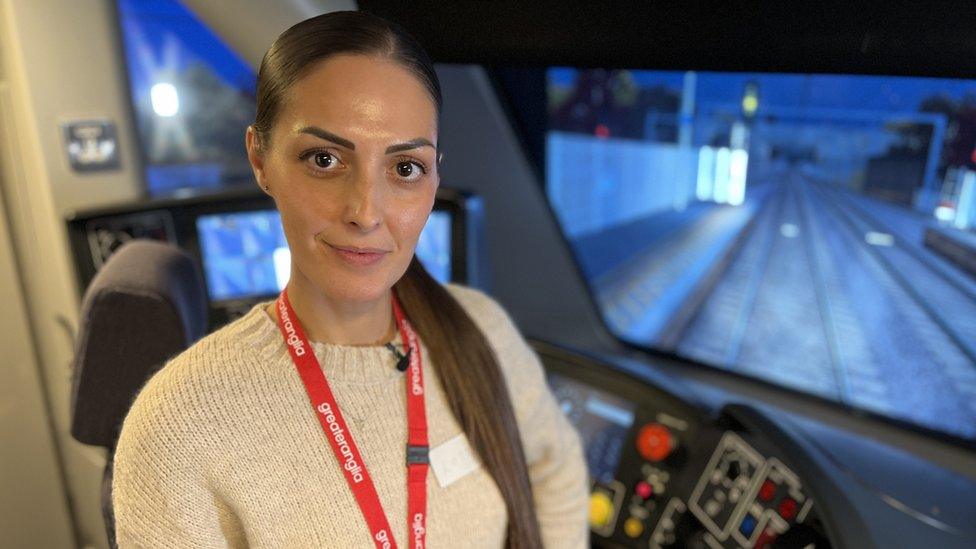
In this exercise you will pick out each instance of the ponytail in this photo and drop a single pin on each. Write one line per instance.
(476, 392)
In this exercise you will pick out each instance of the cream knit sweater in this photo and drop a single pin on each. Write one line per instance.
(222, 449)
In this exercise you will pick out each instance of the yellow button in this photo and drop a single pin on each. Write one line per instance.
(633, 527)
(601, 509)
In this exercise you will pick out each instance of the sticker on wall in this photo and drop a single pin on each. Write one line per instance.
(92, 145)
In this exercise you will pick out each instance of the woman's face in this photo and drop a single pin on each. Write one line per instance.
(352, 166)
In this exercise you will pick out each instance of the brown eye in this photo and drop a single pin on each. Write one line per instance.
(324, 160)
(408, 170)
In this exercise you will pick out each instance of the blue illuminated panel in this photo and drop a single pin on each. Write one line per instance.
(192, 97)
(434, 246)
(239, 251)
(245, 254)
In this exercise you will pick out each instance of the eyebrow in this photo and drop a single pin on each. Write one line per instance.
(412, 144)
(343, 142)
(328, 136)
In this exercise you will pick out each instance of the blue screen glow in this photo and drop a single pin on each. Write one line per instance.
(245, 254)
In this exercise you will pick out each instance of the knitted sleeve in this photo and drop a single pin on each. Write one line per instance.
(552, 446)
(160, 492)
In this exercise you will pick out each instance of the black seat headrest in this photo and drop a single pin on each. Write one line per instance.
(144, 306)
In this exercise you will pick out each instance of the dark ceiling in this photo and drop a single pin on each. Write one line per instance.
(920, 38)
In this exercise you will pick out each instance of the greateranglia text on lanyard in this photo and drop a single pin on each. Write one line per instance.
(346, 452)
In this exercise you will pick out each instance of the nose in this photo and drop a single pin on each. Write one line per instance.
(363, 208)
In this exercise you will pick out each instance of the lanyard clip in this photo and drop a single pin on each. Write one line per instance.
(418, 455)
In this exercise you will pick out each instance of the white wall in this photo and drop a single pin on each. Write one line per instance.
(61, 61)
(33, 507)
(596, 183)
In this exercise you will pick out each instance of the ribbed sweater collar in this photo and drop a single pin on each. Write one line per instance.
(342, 363)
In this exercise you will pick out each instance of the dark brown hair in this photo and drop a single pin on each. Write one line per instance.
(466, 364)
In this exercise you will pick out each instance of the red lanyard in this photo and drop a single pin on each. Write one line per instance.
(346, 452)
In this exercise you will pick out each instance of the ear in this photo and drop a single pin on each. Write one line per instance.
(255, 156)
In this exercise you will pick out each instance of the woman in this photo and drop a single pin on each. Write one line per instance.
(289, 427)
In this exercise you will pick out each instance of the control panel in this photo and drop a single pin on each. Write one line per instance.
(740, 500)
(632, 500)
(665, 474)
(634, 454)
(743, 499)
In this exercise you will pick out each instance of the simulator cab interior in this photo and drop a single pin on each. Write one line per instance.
(742, 242)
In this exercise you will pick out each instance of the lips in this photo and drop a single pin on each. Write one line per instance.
(354, 249)
(355, 255)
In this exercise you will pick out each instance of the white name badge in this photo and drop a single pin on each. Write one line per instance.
(453, 460)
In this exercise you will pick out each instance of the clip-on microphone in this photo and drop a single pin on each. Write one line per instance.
(403, 360)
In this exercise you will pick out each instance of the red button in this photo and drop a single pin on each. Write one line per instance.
(787, 508)
(765, 539)
(643, 489)
(767, 491)
(654, 442)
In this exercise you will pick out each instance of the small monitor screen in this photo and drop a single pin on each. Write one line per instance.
(245, 254)
(603, 421)
(434, 246)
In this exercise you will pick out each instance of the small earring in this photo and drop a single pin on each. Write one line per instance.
(267, 188)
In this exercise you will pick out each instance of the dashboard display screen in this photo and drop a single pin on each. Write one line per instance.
(602, 420)
(245, 254)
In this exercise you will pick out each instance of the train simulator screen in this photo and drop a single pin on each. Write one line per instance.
(245, 254)
(798, 229)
